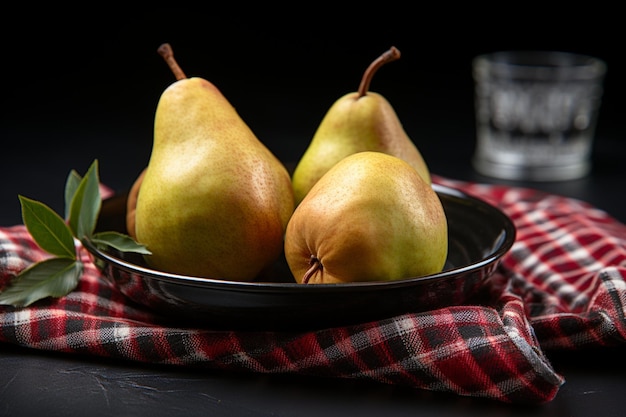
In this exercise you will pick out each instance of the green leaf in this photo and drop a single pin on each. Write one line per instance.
(53, 277)
(56, 277)
(71, 185)
(86, 203)
(47, 228)
(120, 242)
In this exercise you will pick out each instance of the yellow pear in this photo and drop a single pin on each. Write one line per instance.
(213, 201)
(358, 121)
(371, 217)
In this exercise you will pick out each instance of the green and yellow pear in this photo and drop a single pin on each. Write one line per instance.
(371, 217)
(213, 202)
(358, 121)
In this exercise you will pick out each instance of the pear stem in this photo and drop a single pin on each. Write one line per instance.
(391, 55)
(316, 265)
(167, 53)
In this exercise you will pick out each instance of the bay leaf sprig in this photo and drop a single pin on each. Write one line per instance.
(59, 236)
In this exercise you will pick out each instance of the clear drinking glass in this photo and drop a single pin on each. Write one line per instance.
(536, 114)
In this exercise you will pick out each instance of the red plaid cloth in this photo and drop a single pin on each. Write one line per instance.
(560, 287)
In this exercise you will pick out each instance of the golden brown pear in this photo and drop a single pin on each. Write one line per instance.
(371, 217)
(358, 121)
(131, 204)
(214, 201)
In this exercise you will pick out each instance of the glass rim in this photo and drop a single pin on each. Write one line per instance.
(539, 64)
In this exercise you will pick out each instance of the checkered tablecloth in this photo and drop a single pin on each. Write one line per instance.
(561, 287)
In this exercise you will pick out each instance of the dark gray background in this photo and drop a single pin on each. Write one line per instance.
(281, 67)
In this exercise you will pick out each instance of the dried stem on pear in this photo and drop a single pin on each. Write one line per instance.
(316, 265)
(167, 53)
(391, 55)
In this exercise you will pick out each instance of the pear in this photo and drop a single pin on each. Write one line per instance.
(371, 217)
(358, 121)
(131, 204)
(213, 202)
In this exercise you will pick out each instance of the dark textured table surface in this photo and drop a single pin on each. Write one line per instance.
(93, 94)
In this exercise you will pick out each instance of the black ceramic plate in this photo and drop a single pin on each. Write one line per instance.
(479, 235)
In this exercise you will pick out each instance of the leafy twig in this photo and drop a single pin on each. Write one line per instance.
(60, 274)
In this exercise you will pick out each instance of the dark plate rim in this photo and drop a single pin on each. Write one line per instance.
(505, 244)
